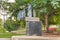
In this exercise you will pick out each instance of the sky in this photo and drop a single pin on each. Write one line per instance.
(11, 1)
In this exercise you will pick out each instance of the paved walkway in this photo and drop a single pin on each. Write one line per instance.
(30, 38)
(5, 38)
(34, 38)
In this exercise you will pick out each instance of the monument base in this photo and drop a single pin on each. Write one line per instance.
(33, 26)
(34, 38)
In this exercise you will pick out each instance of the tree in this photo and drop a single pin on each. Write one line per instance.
(48, 7)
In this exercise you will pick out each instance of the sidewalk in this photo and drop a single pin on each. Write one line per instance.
(30, 38)
(34, 38)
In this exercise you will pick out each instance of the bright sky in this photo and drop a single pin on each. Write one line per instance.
(11, 1)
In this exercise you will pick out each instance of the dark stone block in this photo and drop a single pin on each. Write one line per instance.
(33, 28)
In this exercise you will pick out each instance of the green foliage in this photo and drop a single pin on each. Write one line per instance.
(44, 6)
(11, 25)
(38, 3)
(50, 7)
(22, 23)
(2, 30)
(0, 22)
(55, 19)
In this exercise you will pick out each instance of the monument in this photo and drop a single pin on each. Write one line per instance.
(33, 24)
(21, 15)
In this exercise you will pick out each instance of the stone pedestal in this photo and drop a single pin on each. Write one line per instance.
(34, 38)
(33, 26)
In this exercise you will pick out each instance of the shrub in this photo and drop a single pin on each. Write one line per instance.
(11, 25)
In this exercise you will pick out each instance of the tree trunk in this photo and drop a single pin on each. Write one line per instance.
(46, 22)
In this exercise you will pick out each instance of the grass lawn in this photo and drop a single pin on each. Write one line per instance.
(8, 35)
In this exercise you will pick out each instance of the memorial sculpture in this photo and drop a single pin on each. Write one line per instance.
(21, 14)
(33, 24)
(29, 10)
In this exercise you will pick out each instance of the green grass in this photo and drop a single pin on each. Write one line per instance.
(8, 35)
(5, 35)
